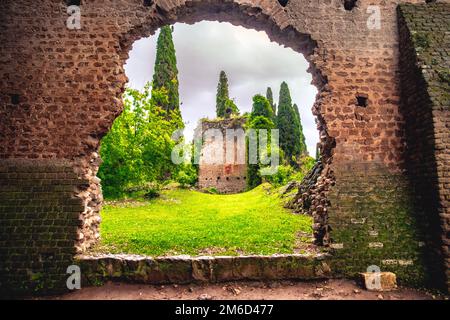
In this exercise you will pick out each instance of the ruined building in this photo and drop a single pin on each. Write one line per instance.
(381, 70)
(222, 164)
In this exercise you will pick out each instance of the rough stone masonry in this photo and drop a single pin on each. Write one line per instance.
(382, 112)
(222, 164)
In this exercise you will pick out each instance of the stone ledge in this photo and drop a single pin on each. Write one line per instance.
(185, 269)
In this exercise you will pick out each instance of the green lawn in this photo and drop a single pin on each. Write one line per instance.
(190, 222)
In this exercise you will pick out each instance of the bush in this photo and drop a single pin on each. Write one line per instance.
(210, 190)
(186, 175)
(152, 193)
(149, 190)
(281, 177)
(286, 173)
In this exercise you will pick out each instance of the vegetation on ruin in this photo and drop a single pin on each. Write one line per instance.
(184, 221)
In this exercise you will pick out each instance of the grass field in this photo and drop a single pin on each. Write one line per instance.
(190, 222)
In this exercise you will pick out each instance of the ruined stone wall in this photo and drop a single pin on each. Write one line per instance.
(372, 220)
(226, 175)
(425, 75)
(60, 91)
(39, 221)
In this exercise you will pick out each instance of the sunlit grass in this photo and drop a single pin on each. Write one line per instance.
(190, 222)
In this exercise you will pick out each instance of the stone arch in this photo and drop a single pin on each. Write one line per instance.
(60, 91)
(268, 16)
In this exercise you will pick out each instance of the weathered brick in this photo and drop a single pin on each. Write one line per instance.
(58, 77)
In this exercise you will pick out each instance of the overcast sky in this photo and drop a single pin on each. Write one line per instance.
(252, 63)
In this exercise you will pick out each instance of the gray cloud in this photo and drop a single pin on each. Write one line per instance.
(251, 61)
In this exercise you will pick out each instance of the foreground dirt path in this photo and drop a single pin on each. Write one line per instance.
(317, 290)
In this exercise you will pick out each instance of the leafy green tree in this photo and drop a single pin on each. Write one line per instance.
(225, 107)
(288, 126)
(137, 150)
(166, 72)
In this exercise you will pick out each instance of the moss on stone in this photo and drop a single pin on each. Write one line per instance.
(421, 39)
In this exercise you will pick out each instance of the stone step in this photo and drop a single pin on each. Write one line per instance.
(186, 269)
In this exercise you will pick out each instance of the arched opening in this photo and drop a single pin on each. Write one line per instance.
(252, 18)
(194, 57)
(61, 94)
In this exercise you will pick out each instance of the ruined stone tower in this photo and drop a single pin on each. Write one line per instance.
(223, 155)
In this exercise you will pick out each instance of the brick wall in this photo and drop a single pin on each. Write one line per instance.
(372, 223)
(60, 91)
(39, 218)
(425, 75)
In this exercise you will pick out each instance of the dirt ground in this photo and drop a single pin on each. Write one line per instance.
(336, 289)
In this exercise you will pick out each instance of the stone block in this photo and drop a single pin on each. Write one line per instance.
(378, 281)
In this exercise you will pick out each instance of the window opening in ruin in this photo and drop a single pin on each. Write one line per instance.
(362, 100)
(148, 3)
(349, 4)
(15, 98)
(283, 3)
(73, 2)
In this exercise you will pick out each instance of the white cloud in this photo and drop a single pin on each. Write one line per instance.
(251, 61)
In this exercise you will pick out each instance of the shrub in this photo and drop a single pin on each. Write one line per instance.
(148, 190)
(286, 173)
(186, 175)
(281, 177)
(210, 190)
(152, 193)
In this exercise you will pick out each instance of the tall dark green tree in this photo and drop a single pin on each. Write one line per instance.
(303, 148)
(288, 126)
(223, 94)
(269, 96)
(261, 107)
(260, 118)
(165, 76)
(225, 107)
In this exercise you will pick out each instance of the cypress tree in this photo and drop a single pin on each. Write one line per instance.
(222, 95)
(224, 105)
(269, 96)
(303, 148)
(165, 76)
(260, 118)
(261, 107)
(288, 126)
